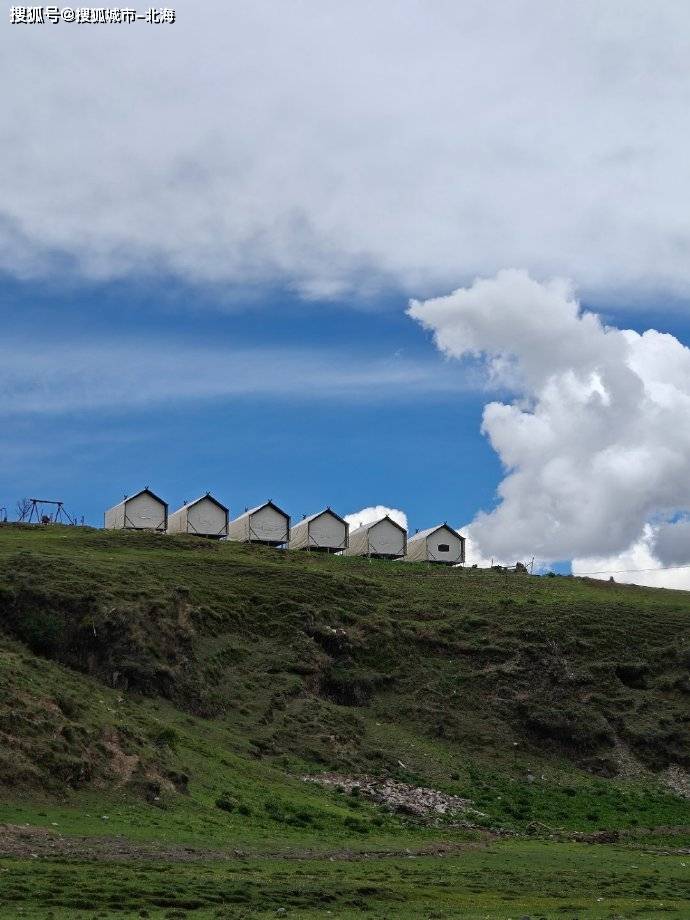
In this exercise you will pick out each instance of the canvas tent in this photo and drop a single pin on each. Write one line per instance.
(204, 516)
(266, 523)
(437, 544)
(324, 532)
(382, 539)
(143, 511)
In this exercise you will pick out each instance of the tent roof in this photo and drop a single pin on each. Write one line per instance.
(313, 517)
(267, 504)
(374, 523)
(200, 499)
(423, 534)
(145, 491)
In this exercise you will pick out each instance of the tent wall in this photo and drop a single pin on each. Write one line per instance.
(114, 518)
(321, 532)
(416, 550)
(239, 529)
(204, 518)
(327, 532)
(436, 543)
(430, 547)
(269, 526)
(383, 538)
(359, 543)
(140, 512)
(144, 511)
(264, 525)
(208, 519)
(299, 535)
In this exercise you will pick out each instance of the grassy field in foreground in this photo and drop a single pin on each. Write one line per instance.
(511, 879)
(171, 693)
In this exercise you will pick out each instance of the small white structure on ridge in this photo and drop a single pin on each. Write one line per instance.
(266, 523)
(437, 544)
(382, 539)
(143, 511)
(324, 532)
(205, 517)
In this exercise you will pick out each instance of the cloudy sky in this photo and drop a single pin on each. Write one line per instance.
(433, 256)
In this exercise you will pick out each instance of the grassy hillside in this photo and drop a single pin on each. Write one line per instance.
(175, 692)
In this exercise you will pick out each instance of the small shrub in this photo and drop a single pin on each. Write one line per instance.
(227, 803)
(69, 705)
(633, 674)
(353, 686)
(166, 737)
(574, 726)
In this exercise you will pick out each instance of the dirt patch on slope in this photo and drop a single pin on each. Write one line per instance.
(24, 842)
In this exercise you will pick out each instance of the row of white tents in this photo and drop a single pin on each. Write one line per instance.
(325, 531)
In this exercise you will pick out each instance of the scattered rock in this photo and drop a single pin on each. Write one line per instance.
(395, 796)
(677, 780)
(610, 836)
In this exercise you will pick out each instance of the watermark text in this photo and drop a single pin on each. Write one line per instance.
(42, 15)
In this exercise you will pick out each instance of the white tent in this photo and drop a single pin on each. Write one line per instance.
(143, 511)
(266, 523)
(325, 531)
(437, 544)
(204, 516)
(383, 539)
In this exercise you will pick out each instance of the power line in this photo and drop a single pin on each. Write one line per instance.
(663, 568)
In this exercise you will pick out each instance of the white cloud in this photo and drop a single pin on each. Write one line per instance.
(334, 147)
(375, 513)
(671, 542)
(473, 553)
(639, 564)
(53, 377)
(596, 445)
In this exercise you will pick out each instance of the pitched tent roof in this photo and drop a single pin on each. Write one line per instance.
(386, 517)
(423, 534)
(146, 491)
(201, 498)
(313, 517)
(267, 504)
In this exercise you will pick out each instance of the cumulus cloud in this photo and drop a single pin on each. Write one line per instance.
(643, 563)
(337, 147)
(596, 442)
(671, 542)
(473, 553)
(375, 513)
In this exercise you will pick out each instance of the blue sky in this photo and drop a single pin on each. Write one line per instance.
(210, 234)
(402, 445)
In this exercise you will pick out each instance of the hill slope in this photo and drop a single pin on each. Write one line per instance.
(123, 652)
(162, 700)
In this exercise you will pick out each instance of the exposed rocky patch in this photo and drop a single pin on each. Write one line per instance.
(677, 781)
(398, 797)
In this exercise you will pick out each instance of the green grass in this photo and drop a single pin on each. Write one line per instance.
(506, 880)
(149, 678)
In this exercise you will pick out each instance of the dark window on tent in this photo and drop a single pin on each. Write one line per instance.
(443, 548)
